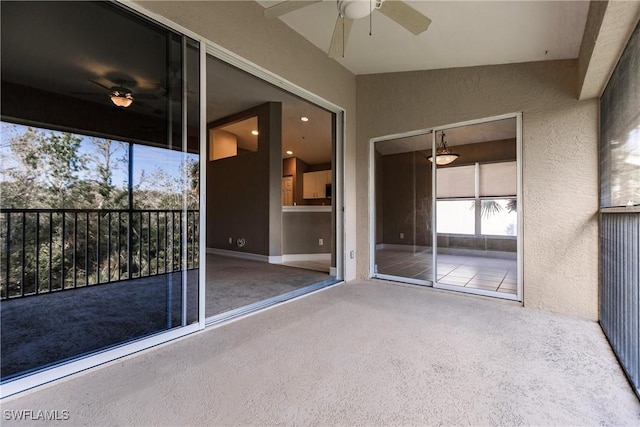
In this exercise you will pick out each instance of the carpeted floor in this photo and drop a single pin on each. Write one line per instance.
(234, 282)
(38, 331)
(361, 353)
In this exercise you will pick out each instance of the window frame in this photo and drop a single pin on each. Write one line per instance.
(477, 199)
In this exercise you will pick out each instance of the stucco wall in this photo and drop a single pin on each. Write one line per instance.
(560, 168)
(239, 26)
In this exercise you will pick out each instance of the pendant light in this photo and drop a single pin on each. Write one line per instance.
(443, 156)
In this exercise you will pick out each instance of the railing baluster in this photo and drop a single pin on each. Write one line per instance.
(8, 260)
(157, 238)
(109, 247)
(166, 236)
(64, 261)
(98, 251)
(148, 243)
(75, 249)
(119, 248)
(23, 254)
(86, 252)
(129, 243)
(50, 250)
(37, 273)
(140, 244)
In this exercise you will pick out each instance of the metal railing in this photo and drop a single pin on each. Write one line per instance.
(50, 250)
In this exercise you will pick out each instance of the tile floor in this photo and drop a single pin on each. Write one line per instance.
(492, 274)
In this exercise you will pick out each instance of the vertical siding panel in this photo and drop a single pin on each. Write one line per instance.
(620, 289)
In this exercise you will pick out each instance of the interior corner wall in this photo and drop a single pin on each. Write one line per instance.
(244, 192)
(240, 27)
(559, 158)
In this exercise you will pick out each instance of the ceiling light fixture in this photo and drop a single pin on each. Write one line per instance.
(357, 9)
(254, 132)
(304, 118)
(121, 97)
(289, 152)
(444, 156)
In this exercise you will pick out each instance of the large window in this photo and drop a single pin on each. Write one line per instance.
(620, 132)
(477, 199)
(99, 180)
(620, 214)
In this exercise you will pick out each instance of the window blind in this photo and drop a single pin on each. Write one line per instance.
(498, 179)
(458, 181)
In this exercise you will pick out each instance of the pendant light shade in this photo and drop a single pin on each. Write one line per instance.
(443, 156)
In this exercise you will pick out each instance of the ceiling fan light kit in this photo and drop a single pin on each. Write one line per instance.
(357, 9)
(350, 10)
(121, 97)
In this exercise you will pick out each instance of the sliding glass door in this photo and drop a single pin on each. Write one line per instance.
(100, 208)
(462, 181)
(476, 208)
(402, 194)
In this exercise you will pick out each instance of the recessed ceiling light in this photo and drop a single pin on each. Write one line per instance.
(304, 118)
(254, 132)
(289, 152)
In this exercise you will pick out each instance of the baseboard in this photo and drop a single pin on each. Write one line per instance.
(245, 255)
(406, 248)
(306, 257)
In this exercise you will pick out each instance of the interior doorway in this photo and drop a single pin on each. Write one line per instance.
(445, 206)
(267, 239)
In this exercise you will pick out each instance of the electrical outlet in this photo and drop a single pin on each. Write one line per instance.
(320, 242)
(402, 235)
(352, 254)
(231, 240)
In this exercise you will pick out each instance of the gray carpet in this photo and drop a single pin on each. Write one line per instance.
(234, 282)
(38, 331)
(362, 353)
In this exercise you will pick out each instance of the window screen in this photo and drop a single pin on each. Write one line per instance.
(620, 131)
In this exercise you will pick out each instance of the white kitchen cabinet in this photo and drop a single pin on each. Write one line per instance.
(314, 184)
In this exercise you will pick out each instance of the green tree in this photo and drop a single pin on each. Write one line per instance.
(62, 163)
(21, 180)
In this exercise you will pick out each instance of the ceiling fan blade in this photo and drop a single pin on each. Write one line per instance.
(340, 37)
(88, 94)
(286, 7)
(149, 96)
(100, 84)
(406, 16)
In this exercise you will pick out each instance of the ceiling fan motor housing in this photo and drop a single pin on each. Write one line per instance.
(357, 9)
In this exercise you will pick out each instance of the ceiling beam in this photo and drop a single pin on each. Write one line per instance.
(607, 31)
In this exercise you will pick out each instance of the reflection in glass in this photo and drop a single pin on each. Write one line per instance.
(100, 211)
(403, 209)
(477, 211)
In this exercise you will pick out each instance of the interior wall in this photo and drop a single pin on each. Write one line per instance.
(244, 199)
(405, 185)
(240, 27)
(560, 168)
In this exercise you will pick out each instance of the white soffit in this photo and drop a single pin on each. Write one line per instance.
(462, 34)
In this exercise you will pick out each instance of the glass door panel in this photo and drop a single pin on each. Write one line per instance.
(476, 204)
(403, 210)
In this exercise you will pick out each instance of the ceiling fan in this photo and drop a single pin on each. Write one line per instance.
(120, 93)
(350, 10)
